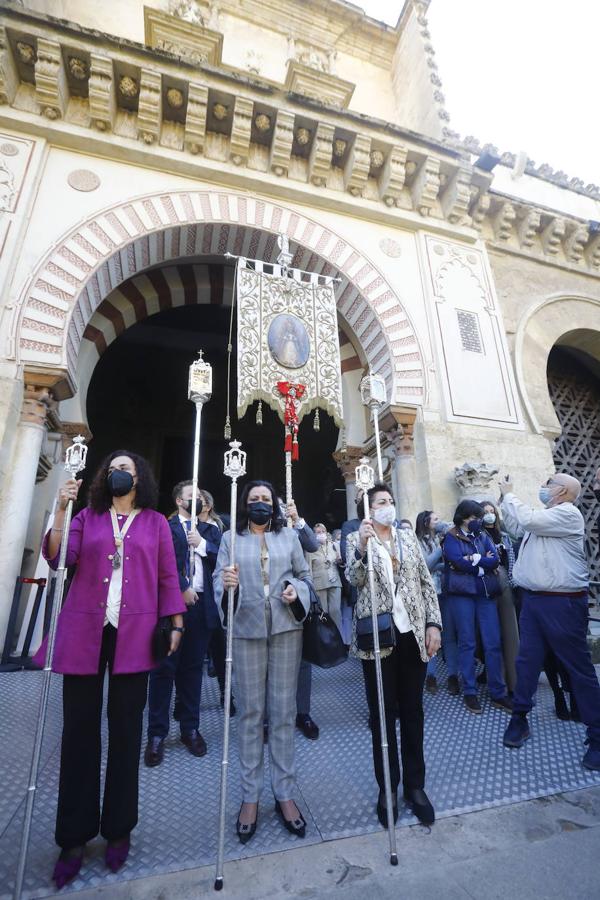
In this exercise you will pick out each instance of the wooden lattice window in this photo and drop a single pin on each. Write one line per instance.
(575, 393)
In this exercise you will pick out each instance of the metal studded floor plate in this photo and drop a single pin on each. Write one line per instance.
(467, 769)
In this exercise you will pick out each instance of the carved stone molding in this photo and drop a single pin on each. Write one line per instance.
(397, 424)
(195, 122)
(186, 37)
(347, 460)
(281, 146)
(476, 479)
(50, 79)
(101, 89)
(241, 129)
(321, 86)
(319, 163)
(37, 402)
(150, 106)
(426, 185)
(357, 167)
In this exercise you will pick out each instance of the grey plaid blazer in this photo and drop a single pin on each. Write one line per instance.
(286, 563)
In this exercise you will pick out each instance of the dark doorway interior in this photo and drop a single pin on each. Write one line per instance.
(137, 400)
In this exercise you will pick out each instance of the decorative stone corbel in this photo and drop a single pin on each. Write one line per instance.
(9, 79)
(576, 237)
(592, 253)
(527, 227)
(281, 144)
(319, 162)
(480, 206)
(102, 97)
(150, 106)
(397, 427)
(474, 479)
(37, 403)
(195, 120)
(393, 175)
(356, 170)
(503, 220)
(457, 196)
(241, 128)
(426, 185)
(347, 460)
(552, 235)
(51, 90)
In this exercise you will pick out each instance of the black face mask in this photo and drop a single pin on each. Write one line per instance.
(259, 512)
(187, 505)
(475, 526)
(119, 483)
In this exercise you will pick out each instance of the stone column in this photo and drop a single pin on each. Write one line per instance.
(17, 501)
(397, 429)
(347, 460)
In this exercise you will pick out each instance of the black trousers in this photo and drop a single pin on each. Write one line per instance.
(403, 674)
(218, 650)
(78, 816)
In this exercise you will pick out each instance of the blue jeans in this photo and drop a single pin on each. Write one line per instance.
(449, 634)
(558, 623)
(468, 613)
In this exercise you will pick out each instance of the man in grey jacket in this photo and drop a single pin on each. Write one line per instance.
(552, 570)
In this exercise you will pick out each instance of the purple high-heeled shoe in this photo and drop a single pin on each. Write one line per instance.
(116, 854)
(67, 866)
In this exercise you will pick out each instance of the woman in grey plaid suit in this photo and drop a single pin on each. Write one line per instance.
(271, 603)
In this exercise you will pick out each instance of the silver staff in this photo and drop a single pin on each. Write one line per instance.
(199, 392)
(74, 463)
(235, 467)
(373, 395)
(365, 479)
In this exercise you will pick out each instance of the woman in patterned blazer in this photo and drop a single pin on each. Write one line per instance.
(405, 592)
(272, 600)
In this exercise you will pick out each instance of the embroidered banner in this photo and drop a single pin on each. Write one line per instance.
(287, 332)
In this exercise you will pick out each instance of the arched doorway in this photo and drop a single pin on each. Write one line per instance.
(574, 386)
(137, 398)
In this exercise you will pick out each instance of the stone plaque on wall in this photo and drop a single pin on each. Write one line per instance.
(473, 359)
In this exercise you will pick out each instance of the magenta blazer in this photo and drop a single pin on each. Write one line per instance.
(150, 590)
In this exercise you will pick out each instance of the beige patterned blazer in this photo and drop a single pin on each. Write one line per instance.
(413, 581)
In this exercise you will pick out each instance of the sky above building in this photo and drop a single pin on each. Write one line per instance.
(518, 74)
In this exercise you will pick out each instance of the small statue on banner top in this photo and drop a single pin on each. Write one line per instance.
(292, 394)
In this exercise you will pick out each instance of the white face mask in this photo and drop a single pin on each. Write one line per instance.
(322, 538)
(385, 515)
(489, 518)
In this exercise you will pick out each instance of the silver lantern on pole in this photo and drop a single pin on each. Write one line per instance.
(234, 467)
(75, 458)
(199, 392)
(373, 394)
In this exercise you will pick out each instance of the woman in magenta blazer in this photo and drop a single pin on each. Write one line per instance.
(125, 580)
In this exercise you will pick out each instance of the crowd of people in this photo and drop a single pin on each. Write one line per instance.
(500, 588)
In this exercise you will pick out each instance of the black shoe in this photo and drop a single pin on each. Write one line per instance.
(453, 685)
(473, 704)
(503, 703)
(560, 707)
(245, 832)
(155, 752)
(482, 677)
(308, 728)
(420, 805)
(195, 743)
(382, 808)
(294, 826)
(232, 709)
(431, 685)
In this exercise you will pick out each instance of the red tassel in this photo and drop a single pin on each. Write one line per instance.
(288, 442)
(295, 454)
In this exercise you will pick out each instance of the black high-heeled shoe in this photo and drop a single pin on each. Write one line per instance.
(294, 826)
(245, 832)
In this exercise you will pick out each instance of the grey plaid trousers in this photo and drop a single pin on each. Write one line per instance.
(267, 669)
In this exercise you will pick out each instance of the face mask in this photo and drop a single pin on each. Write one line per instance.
(187, 505)
(385, 515)
(322, 538)
(489, 518)
(440, 527)
(545, 495)
(475, 526)
(119, 483)
(259, 512)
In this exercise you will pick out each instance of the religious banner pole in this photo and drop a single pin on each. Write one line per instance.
(365, 479)
(199, 392)
(75, 462)
(373, 395)
(235, 467)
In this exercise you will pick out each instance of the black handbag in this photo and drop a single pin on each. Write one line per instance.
(161, 639)
(322, 643)
(364, 632)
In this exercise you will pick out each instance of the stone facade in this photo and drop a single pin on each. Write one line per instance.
(182, 131)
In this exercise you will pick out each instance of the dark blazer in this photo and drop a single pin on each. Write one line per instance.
(212, 536)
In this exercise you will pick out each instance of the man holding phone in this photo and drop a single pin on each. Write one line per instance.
(552, 571)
